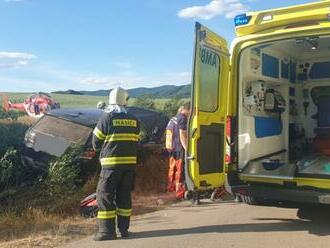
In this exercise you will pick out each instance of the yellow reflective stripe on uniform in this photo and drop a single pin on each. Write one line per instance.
(124, 212)
(106, 214)
(98, 133)
(117, 160)
(122, 137)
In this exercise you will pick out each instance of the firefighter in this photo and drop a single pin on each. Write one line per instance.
(176, 144)
(116, 137)
(101, 105)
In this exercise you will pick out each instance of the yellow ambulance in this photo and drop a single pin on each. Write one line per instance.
(260, 119)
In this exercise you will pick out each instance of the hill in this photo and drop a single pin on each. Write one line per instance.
(68, 92)
(166, 91)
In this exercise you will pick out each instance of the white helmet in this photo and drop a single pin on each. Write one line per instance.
(118, 96)
(101, 105)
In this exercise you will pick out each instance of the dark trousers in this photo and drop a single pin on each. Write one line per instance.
(114, 199)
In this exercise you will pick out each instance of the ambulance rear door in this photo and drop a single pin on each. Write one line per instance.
(205, 160)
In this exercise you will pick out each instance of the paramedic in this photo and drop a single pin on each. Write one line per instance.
(173, 146)
(176, 144)
(183, 116)
(115, 136)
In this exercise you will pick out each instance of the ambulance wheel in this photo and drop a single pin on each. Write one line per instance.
(187, 195)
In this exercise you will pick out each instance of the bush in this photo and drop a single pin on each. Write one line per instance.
(9, 169)
(11, 114)
(12, 171)
(12, 135)
(171, 107)
(145, 102)
(64, 172)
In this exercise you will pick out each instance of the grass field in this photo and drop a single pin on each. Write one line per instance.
(66, 101)
(31, 217)
(78, 101)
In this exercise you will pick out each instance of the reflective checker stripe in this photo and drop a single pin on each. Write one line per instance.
(106, 214)
(98, 133)
(124, 212)
(122, 137)
(117, 160)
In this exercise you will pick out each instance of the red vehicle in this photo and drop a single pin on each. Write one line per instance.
(34, 105)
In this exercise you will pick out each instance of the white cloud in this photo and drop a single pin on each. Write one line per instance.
(49, 77)
(14, 84)
(135, 80)
(227, 8)
(14, 59)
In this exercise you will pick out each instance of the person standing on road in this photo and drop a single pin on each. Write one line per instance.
(182, 118)
(176, 144)
(115, 137)
(173, 147)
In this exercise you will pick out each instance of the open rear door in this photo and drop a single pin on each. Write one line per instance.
(207, 125)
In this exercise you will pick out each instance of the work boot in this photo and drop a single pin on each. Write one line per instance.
(125, 234)
(104, 236)
(107, 230)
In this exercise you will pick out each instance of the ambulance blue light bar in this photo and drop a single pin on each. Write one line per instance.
(242, 20)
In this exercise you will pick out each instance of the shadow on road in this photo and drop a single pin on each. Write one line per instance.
(286, 225)
(313, 219)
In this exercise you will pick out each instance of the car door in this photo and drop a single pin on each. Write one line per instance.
(205, 157)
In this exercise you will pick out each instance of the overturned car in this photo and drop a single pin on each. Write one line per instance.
(59, 129)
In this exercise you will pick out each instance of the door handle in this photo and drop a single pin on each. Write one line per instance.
(190, 158)
(193, 133)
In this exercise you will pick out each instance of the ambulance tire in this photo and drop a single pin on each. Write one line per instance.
(187, 195)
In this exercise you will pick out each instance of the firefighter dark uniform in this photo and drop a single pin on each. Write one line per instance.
(116, 136)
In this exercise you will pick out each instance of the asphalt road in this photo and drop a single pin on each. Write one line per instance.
(226, 224)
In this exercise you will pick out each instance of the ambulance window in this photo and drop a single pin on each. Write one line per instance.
(209, 80)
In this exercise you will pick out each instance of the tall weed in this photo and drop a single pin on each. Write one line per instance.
(64, 172)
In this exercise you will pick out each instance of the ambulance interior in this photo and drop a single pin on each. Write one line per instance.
(284, 109)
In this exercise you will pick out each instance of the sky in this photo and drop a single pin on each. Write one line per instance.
(49, 45)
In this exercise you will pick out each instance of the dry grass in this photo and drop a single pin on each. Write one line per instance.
(51, 223)
(47, 230)
(151, 171)
(37, 220)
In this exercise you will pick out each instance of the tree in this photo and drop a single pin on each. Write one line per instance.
(171, 107)
(145, 102)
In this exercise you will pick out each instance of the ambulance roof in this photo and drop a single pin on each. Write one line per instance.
(282, 18)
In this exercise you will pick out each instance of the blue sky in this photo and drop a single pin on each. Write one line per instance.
(49, 45)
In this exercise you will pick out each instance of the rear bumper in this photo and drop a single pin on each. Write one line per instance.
(274, 193)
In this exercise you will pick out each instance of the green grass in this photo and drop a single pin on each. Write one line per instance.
(66, 101)
(78, 101)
